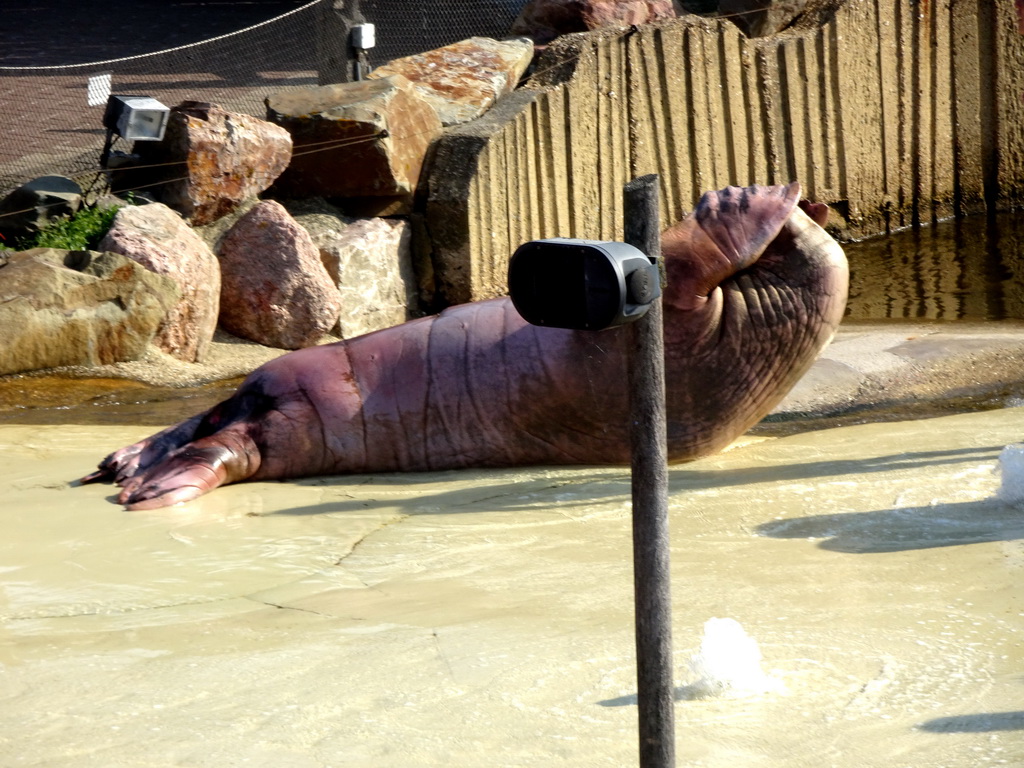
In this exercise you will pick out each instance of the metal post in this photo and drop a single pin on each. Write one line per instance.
(648, 435)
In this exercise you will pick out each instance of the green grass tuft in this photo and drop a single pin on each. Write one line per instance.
(79, 232)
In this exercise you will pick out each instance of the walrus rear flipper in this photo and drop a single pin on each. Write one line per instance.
(726, 234)
(228, 456)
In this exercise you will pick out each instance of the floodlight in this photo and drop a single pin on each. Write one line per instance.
(136, 118)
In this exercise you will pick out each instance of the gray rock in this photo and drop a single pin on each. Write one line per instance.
(367, 138)
(760, 18)
(209, 161)
(30, 207)
(370, 261)
(544, 20)
(77, 308)
(213, 234)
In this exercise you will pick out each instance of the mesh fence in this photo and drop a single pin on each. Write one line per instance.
(52, 116)
(404, 28)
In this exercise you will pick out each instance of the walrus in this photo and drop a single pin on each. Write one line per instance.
(755, 290)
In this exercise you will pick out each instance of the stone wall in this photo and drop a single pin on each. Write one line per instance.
(892, 111)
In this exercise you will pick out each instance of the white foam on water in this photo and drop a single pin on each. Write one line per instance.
(728, 663)
(1011, 469)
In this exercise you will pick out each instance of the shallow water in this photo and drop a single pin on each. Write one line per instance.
(485, 618)
(963, 269)
(56, 400)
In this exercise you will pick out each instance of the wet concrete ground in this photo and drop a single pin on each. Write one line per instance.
(879, 371)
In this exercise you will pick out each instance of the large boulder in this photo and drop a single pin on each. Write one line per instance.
(367, 138)
(370, 261)
(760, 18)
(274, 288)
(462, 80)
(544, 20)
(158, 238)
(77, 308)
(209, 161)
(33, 205)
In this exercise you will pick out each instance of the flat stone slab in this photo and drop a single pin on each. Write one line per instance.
(366, 138)
(485, 618)
(912, 366)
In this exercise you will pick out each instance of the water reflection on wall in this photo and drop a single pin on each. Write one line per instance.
(967, 269)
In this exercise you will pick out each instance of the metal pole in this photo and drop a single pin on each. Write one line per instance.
(648, 436)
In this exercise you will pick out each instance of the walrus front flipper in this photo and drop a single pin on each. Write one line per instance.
(226, 457)
(122, 464)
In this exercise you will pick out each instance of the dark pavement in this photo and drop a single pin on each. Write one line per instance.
(55, 33)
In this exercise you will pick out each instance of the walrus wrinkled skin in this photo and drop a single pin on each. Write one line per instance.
(756, 289)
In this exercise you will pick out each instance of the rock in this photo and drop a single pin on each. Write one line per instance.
(462, 80)
(209, 161)
(77, 308)
(759, 18)
(156, 237)
(274, 288)
(317, 208)
(544, 20)
(33, 205)
(370, 261)
(375, 207)
(213, 234)
(367, 138)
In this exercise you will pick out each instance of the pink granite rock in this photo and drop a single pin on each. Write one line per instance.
(367, 138)
(209, 161)
(157, 237)
(462, 80)
(274, 288)
(759, 18)
(544, 20)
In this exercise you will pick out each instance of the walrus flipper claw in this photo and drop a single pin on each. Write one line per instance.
(119, 464)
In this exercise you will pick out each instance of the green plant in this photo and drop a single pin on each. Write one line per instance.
(80, 231)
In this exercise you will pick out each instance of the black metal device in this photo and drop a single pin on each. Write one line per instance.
(581, 284)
